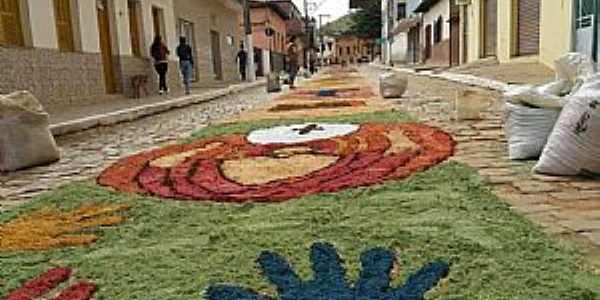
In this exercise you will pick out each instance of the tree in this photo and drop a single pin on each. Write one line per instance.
(367, 21)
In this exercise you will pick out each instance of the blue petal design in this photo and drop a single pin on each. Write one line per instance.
(329, 281)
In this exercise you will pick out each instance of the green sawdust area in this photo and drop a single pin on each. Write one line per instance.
(174, 250)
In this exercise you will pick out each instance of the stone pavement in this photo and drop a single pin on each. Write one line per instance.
(569, 207)
(87, 153)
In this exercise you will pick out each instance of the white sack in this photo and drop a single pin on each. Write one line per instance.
(574, 146)
(527, 130)
(25, 138)
(392, 85)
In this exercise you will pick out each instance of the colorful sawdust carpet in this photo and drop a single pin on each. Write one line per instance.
(231, 169)
(48, 228)
(45, 283)
(329, 280)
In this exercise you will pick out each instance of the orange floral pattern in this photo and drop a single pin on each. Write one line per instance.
(366, 157)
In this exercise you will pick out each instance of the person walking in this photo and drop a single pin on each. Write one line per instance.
(159, 52)
(242, 57)
(186, 63)
(292, 54)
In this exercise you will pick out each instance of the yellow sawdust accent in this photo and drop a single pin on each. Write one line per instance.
(263, 113)
(176, 159)
(261, 170)
(48, 229)
(287, 152)
(400, 142)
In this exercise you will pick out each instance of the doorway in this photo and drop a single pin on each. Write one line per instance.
(490, 27)
(454, 34)
(586, 24)
(186, 29)
(106, 47)
(428, 42)
(528, 18)
(215, 41)
(158, 22)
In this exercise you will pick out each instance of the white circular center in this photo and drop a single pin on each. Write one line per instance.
(300, 133)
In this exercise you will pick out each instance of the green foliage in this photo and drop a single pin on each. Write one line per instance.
(367, 21)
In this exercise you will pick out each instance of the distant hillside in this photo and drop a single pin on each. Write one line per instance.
(341, 26)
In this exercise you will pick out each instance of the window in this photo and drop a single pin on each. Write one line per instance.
(438, 28)
(401, 11)
(348, 50)
(64, 26)
(134, 28)
(10, 23)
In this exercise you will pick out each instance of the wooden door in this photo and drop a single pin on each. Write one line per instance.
(216, 54)
(64, 26)
(11, 33)
(528, 17)
(106, 48)
(490, 27)
(454, 35)
(428, 45)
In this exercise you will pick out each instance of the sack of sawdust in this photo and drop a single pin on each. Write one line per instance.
(574, 145)
(25, 137)
(527, 130)
(392, 85)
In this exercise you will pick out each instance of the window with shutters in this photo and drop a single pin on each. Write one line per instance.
(134, 28)
(64, 25)
(10, 24)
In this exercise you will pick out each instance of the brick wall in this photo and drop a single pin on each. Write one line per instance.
(52, 76)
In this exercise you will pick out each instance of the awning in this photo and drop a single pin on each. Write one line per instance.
(405, 25)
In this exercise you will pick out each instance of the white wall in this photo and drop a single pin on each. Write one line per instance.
(89, 32)
(42, 25)
(399, 47)
(170, 39)
(442, 8)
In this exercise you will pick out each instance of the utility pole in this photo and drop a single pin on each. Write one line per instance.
(250, 67)
(306, 25)
(322, 37)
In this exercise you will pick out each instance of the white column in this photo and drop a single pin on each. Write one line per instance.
(121, 25)
(42, 24)
(88, 26)
(266, 62)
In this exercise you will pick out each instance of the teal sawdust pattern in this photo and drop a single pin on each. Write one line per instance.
(330, 283)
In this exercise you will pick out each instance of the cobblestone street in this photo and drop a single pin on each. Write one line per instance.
(87, 153)
(569, 207)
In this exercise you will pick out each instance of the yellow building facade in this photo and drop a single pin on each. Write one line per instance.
(552, 38)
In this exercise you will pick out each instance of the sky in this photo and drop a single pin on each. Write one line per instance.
(335, 8)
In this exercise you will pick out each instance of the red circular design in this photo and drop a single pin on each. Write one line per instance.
(364, 158)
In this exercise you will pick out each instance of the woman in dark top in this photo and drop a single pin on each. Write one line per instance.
(186, 62)
(160, 52)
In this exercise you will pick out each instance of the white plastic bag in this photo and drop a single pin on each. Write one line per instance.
(527, 130)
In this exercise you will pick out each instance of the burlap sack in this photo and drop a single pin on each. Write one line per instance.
(392, 85)
(25, 138)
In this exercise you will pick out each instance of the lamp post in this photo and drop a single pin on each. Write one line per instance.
(250, 64)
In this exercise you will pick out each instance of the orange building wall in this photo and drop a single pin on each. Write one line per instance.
(260, 18)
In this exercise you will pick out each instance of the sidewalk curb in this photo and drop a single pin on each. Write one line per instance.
(454, 77)
(134, 113)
